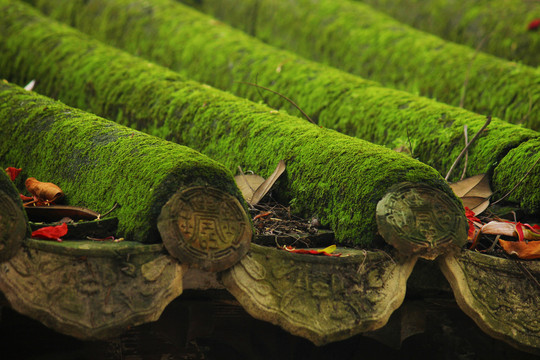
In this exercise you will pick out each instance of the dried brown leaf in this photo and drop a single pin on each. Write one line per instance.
(248, 184)
(475, 203)
(499, 228)
(45, 191)
(474, 192)
(263, 189)
(477, 186)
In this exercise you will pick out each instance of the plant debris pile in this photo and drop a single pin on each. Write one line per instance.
(276, 226)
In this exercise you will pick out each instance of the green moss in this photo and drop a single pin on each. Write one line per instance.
(97, 162)
(503, 23)
(209, 51)
(234, 131)
(513, 169)
(356, 38)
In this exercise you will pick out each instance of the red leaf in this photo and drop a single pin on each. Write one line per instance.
(471, 215)
(326, 251)
(533, 25)
(519, 230)
(51, 232)
(13, 172)
(471, 219)
(26, 198)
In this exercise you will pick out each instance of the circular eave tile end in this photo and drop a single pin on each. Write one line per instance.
(13, 227)
(418, 219)
(205, 228)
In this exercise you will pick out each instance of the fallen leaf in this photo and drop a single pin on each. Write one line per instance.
(248, 184)
(51, 232)
(523, 250)
(265, 187)
(30, 85)
(13, 172)
(474, 192)
(43, 191)
(477, 185)
(472, 220)
(55, 212)
(498, 228)
(476, 204)
(26, 198)
(533, 25)
(514, 229)
(328, 251)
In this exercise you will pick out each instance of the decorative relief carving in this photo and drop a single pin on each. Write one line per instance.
(320, 298)
(501, 295)
(205, 227)
(90, 297)
(419, 219)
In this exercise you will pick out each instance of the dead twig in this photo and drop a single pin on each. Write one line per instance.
(116, 205)
(465, 133)
(283, 96)
(259, 90)
(488, 121)
(495, 242)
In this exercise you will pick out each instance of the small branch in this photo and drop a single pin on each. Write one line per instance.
(495, 242)
(283, 96)
(518, 183)
(465, 133)
(116, 205)
(488, 120)
(410, 144)
(259, 90)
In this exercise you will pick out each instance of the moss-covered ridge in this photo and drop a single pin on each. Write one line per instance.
(500, 26)
(338, 178)
(98, 162)
(209, 51)
(356, 38)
